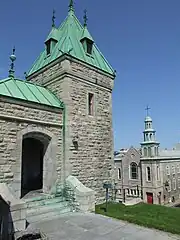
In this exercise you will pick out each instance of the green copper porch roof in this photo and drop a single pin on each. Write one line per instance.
(69, 36)
(27, 91)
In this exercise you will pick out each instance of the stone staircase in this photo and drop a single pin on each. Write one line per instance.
(42, 207)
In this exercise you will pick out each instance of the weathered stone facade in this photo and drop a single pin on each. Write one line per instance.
(92, 160)
(18, 119)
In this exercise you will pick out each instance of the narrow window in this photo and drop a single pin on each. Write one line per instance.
(48, 48)
(148, 174)
(158, 173)
(169, 182)
(90, 103)
(89, 47)
(174, 184)
(173, 170)
(178, 168)
(134, 171)
(151, 136)
(131, 191)
(119, 173)
(167, 170)
(178, 182)
(149, 151)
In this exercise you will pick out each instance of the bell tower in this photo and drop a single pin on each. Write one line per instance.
(149, 146)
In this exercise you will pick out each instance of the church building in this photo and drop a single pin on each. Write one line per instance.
(148, 173)
(56, 125)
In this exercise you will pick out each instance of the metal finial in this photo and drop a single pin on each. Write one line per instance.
(85, 18)
(53, 18)
(147, 110)
(71, 5)
(12, 58)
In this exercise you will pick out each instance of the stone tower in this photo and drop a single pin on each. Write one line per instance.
(74, 69)
(150, 147)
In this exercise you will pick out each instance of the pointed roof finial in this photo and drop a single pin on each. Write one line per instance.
(12, 58)
(147, 110)
(53, 18)
(71, 5)
(85, 18)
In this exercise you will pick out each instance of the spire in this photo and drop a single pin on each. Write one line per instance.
(53, 18)
(85, 18)
(71, 6)
(149, 145)
(12, 58)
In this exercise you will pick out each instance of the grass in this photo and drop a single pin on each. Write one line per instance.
(153, 216)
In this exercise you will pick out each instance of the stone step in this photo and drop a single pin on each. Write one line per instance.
(46, 208)
(48, 215)
(42, 202)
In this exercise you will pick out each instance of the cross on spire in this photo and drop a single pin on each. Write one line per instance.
(147, 110)
(53, 18)
(71, 5)
(85, 18)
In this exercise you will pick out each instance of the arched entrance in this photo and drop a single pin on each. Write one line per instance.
(34, 148)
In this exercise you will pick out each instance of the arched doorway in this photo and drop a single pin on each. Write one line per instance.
(33, 150)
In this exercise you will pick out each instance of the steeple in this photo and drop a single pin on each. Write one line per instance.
(149, 145)
(71, 6)
(12, 58)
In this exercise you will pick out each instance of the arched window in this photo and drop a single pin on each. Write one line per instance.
(149, 151)
(158, 173)
(134, 171)
(174, 183)
(148, 174)
(145, 152)
(151, 136)
(167, 170)
(119, 173)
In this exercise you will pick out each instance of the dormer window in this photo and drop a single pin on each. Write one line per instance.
(89, 46)
(50, 44)
(48, 47)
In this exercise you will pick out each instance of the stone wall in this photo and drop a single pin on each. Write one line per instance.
(172, 177)
(154, 186)
(125, 182)
(18, 119)
(91, 160)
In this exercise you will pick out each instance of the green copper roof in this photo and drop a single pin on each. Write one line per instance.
(23, 90)
(53, 34)
(86, 34)
(69, 36)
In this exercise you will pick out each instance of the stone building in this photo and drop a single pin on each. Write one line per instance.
(56, 126)
(150, 173)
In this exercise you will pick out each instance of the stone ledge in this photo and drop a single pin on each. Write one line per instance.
(85, 197)
(17, 207)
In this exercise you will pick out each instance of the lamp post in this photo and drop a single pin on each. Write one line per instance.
(107, 186)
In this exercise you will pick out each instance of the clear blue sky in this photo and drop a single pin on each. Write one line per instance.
(141, 40)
